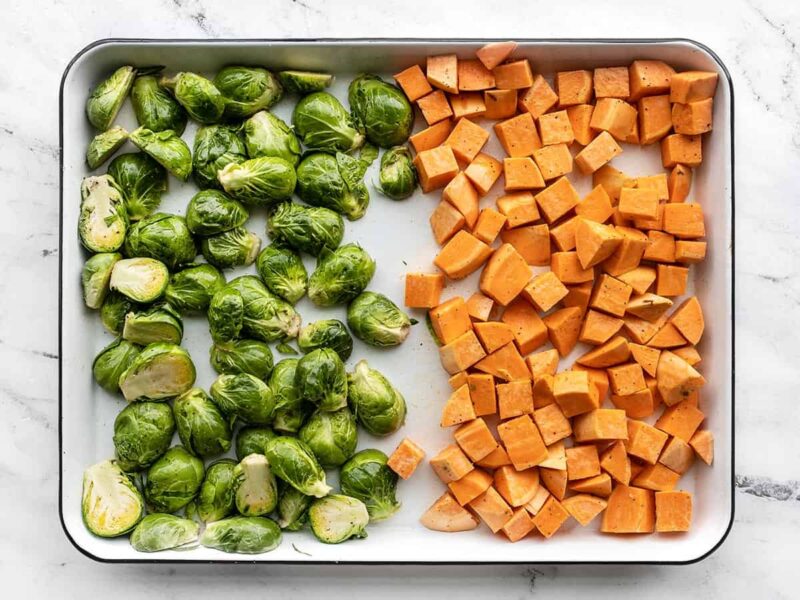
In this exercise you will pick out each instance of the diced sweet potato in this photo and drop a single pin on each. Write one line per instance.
(573, 87)
(555, 480)
(613, 352)
(473, 75)
(490, 223)
(423, 290)
(556, 457)
(406, 458)
(626, 379)
(435, 167)
(681, 149)
(584, 507)
(595, 242)
(479, 306)
(597, 328)
(543, 391)
(597, 377)
(518, 526)
(557, 199)
(679, 183)
(500, 104)
(505, 363)
(514, 75)
(447, 515)
(495, 459)
(629, 510)
(688, 319)
(451, 464)
(614, 461)
(469, 487)
(505, 275)
(649, 307)
(431, 137)
(442, 72)
(671, 280)
(610, 295)
(691, 86)
(492, 509)
(636, 203)
(684, 220)
(579, 295)
(519, 208)
(611, 179)
(656, 477)
(475, 439)
(529, 330)
(494, 53)
(551, 517)
(552, 424)
(523, 442)
(646, 357)
(563, 234)
(596, 206)
(649, 78)
(545, 291)
(450, 319)
(457, 380)
(574, 393)
(483, 171)
(494, 335)
(660, 247)
(597, 153)
(598, 485)
(518, 135)
(693, 118)
(532, 242)
(639, 330)
(461, 353)
(582, 462)
(681, 420)
(435, 107)
(542, 363)
(413, 83)
(521, 173)
(563, 328)
(703, 444)
(655, 118)
(446, 221)
(458, 408)
(553, 161)
(482, 393)
(538, 98)
(640, 278)
(688, 253)
(580, 116)
(556, 128)
(629, 252)
(600, 424)
(645, 441)
(462, 255)
(516, 487)
(611, 82)
(460, 193)
(689, 354)
(673, 511)
(614, 116)
(676, 378)
(567, 267)
(466, 140)
(677, 456)
(514, 398)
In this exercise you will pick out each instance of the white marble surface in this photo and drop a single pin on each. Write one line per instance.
(758, 40)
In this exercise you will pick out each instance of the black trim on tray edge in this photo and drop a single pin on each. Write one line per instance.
(109, 41)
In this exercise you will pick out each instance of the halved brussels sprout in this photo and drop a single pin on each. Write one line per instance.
(267, 135)
(111, 505)
(159, 531)
(327, 333)
(304, 82)
(236, 247)
(247, 90)
(244, 397)
(293, 509)
(113, 311)
(167, 149)
(259, 181)
(255, 490)
(334, 183)
(283, 272)
(337, 518)
(161, 236)
(142, 433)
(95, 277)
(289, 411)
(341, 275)
(377, 404)
(378, 321)
(111, 362)
(367, 477)
(266, 316)
(398, 177)
(106, 99)
(201, 98)
(191, 289)
(202, 428)
(159, 323)
(253, 440)
(160, 371)
(103, 219)
(242, 535)
(103, 146)
(140, 279)
(380, 110)
(331, 436)
(294, 463)
(306, 228)
(226, 315)
(155, 108)
(141, 181)
(242, 356)
(215, 147)
(215, 498)
(173, 480)
(322, 123)
(211, 211)
(320, 378)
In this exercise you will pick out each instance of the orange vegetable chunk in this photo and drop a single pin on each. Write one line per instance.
(600, 424)
(505, 363)
(545, 290)
(523, 442)
(516, 487)
(423, 290)
(482, 393)
(519, 525)
(702, 442)
(582, 462)
(542, 363)
(483, 171)
(461, 353)
(406, 458)
(529, 330)
(656, 477)
(532, 242)
(475, 439)
(494, 53)
(551, 517)
(681, 149)
(505, 275)
(442, 72)
(553, 161)
(645, 441)
(518, 135)
(691, 86)
(451, 464)
(473, 75)
(462, 255)
(492, 509)
(557, 199)
(469, 487)
(552, 424)
(614, 461)
(447, 515)
(435, 107)
(413, 83)
(479, 306)
(450, 319)
(649, 78)
(611, 82)
(655, 118)
(629, 510)
(513, 75)
(494, 334)
(556, 128)
(580, 117)
(514, 398)
(519, 208)
(460, 193)
(538, 98)
(597, 153)
(489, 224)
(500, 104)
(574, 87)
(574, 393)
(435, 167)
(673, 511)
(681, 420)
(584, 507)
(431, 137)
(446, 221)
(563, 328)
(458, 408)
(521, 173)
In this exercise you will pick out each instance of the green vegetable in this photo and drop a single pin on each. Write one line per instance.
(289, 406)
(304, 82)
(253, 440)
(242, 356)
(226, 315)
(142, 433)
(242, 535)
(103, 146)
(106, 99)
(141, 180)
(158, 531)
(155, 108)
(140, 279)
(113, 311)
(320, 378)
(191, 289)
(378, 321)
(215, 147)
(294, 463)
(167, 149)
(262, 181)
(380, 110)
(110, 504)
(293, 509)
(340, 276)
(158, 323)
(236, 247)
(398, 177)
(267, 135)
(111, 362)
(337, 518)
(334, 183)
(322, 123)
(160, 371)
(103, 220)
(378, 406)
(96, 276)
(255, 490)
(367, 155)
(304, 228)
(266, 316)
(244, 397)
(211, 211)
(201, 99)
(202, 429)
(327, 333)
(283, 272)
(215, 498)
(247, 90)
(163, 237)
(331, 436)
(367, 477)
(173, 480)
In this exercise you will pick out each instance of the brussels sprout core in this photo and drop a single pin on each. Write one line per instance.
(256, 491)
(160, 371)
(337, 518)
(111, 505)
(103, 220)
(140, 279)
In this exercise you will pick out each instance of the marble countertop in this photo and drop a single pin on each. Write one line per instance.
(758, 41)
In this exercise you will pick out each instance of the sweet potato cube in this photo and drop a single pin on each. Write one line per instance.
(505, 275)
(475, 439)
(500, 104)
(611, 179)
(514, 398)
(584, 507)
(688, 319)
(679, 183)
(639, 278)
(461, 353)
(521, 173)
(516, 487)
(645, 441)
(573, 87)
(518, 135)
(406, 458)
(542, 363)
(677, 456)
(492, 509)
(545, 290)
(555, 480)
(529, 330)
(598, 485)
(580, 117)
(479, 306)
(649, 78)
(483, 171)
(435, 107)
(600, 424)
(646, 357)
(681, 149)
(457, 380)
(466, 139)
(435, 167)
(446, 221)
(563, 328)
(482, 393)
(660, 247)
(636, 203)
(451, 464)
(423, 290)
(552, 424)
(597, 377)
(447, 515)
(673, 511)
(688, 253)
(467, 104)
(567, 267)
(702, 442)
(611, 82)
(684, 220)
(655, 118)
(557, 199)
(614, 461)
(574, 393)
(495, 459)
(494, 334)
(597, 153)
(458, 408)
(473, 75)
(692, 86)
(689, 354)
(505, 363)
(462, 255)
(595, 242)
(613, 352)
(494, 53)
(523, 442)
(519, 208)
(442, 72)
(489, 224)
(563, 234)
(582, 462)
(556, 457)
(450, 319)
(693, 118)
(596, 205)
(626, 379)
(656, 477)
(543, 389)
(553, 161)
(538, 98)
(649, 307)
(671, 280)
(629, 510)
(514, 75)
(532, 242)
(681, 420)
(551, 517)
(638, 405)
(460, 193)
(431, 137)
(610, 295)
(613, 116)
(597, 328)
(556, 128)
(578, 295)
(518, 526)
(639, 330)
(469, 487)
(413, 83)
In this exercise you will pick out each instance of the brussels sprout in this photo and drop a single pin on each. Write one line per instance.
(247, 90)
(234, 248)
(202, 429)
(160, 323)
(293, 509)
(334, 183)
(201, 98)
(253, 440)
(304, 82)
(255, 490)
(167, 149)
(113, 311)
(267, 135)
(327, 333)
(367, 477)
(283, 272)
(173, 480)
(160, 371)
(155, 108)
(377, 404)
(341, 275)
(161, 236)
(380, 110)
(111, 505)
(398, 177)
(103, 219)
(242, 356)
(226, 315)
(320, 378)
(322, 123)
(337, 518)
(266, 317)
(215, 147)
(140, 279)
(95, 277)
(106, 99)
(141, 180)
(259, 181)
(242, 535)
(142, 433)
(304, 228)
(244, 397)
(294, 463)
(215, 498)
(103, 146)
(378, 321)
(289, 411)
(110, 363)
(211, 211)
(191, 289)
(331, 436)
(158, 531)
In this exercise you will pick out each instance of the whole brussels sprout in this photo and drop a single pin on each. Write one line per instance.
(341, 275)
(267, 135)
(289, 411)
(111, 362)
(244, 397)
(293, 509)
(253, 440)
(161, 236)
(215, 498)
(191, 289)
(322, 123)
(113, 311)
(141, 180)
(158, 531)
(367, 477)
(255, 490)
(201, 98)
(103, 220)
(259, 181)
(236, 247)
(337, 518)
(320, 378)
(304, 82)
(380, 110)
(159, 323)
(95, 277)
(242, 535)
(106, 99)
(202, 429)
(283, 272)
(398, 177)
(104, 144)
(306, 228)
(242, 356)
(266, 316)
(247, 90)
(173, 480)
(215, 147)
(142, 433)
(378, 321)
(226, 315)
(160, 371)
(377, 404)
(110, 504)
(333, 182)
(331, 436)
(167, 149)
(155, 108)
(140, 279)
(294, 463)
(327, 333)
(211, 211)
